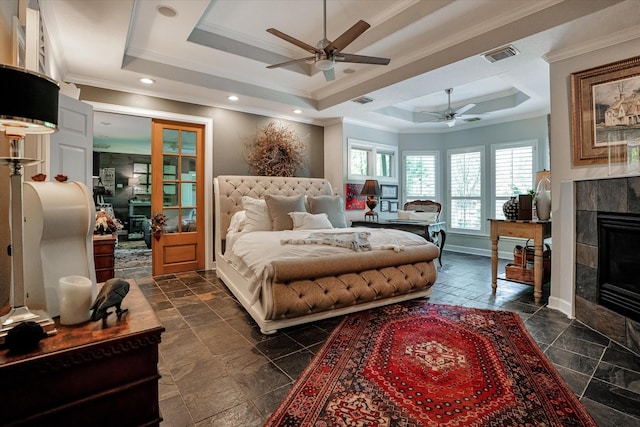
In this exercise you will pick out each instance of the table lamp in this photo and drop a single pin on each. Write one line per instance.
(371, 189)
(28, 105)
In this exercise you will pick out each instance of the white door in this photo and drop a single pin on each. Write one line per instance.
(71, 147)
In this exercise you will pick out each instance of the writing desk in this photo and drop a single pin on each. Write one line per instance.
(534, 230)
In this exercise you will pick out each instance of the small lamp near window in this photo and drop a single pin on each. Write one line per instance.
(371, 189)
(28, 105)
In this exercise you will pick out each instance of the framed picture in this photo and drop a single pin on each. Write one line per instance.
(393, 206)
(384, 206)
(602, 112)
(388, 191)
(354, 201)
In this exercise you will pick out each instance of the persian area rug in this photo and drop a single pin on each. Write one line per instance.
(420, 364)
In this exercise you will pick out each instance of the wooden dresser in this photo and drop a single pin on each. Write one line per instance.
(87, 375)
(103, 258)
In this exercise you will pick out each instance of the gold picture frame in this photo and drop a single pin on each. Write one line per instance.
(598, 136)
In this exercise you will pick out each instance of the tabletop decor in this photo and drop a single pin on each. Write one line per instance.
(604, 111)
(426, 364)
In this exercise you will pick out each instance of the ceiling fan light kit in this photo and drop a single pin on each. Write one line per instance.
(327, 53)
(450, 115)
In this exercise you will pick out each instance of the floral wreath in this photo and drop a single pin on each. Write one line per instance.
(157, 225)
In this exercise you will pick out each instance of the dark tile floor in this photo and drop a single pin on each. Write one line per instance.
(218, 370)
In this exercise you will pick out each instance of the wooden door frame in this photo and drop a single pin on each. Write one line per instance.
(208, 160)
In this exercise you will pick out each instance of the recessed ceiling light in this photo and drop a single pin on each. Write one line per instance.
(167, 11)
(232, 98)
(297, 111)
(147, 81)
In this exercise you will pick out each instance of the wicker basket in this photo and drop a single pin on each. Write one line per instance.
(521, 270)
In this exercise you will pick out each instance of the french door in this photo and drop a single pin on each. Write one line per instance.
(177, 171)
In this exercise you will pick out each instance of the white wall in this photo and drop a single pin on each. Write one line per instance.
(562, 64)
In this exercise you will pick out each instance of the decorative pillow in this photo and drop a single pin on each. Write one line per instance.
(279, 208)
(257, 214)
(307, 221)
(238, 222)
(422, 216)
(333, 206)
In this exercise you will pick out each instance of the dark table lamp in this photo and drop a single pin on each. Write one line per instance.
(28, 105)
(371, 189)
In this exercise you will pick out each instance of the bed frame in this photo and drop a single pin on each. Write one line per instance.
(312, 289)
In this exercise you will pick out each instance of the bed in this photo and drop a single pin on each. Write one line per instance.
(316, 267)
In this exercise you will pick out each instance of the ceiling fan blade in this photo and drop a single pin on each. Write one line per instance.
(451, 123)
(464, 109)
(329, 74)
(347, 37)
(361, 59)
(284, 64)
(294, 41)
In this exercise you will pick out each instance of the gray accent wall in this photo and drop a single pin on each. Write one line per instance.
(232, 130)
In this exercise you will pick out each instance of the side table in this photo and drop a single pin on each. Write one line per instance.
(87, 374)
(535, 230)
(434, 232)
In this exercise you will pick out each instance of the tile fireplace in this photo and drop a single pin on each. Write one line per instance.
(607, 278)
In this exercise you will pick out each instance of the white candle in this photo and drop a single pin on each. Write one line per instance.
(76, 297)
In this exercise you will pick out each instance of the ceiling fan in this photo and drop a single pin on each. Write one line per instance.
(450, 115)
(326, 53)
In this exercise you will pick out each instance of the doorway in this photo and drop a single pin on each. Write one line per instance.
(122, 186)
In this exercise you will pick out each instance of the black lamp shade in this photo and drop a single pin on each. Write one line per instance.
(370, 188)
(28, 98)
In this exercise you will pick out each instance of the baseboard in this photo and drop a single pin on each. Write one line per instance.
(562, 306)
(477, 251)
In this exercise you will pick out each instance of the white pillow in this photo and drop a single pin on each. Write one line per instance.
(403, 214)
(238, 222)
(258, 218)
(307, 221)
(422, 216)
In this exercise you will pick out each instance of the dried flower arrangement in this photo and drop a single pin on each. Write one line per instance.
(275, 151)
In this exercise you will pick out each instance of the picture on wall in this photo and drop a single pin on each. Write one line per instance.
(384, 206)
(388, 191)
(353, 200)
(393, 206)
(604, 112)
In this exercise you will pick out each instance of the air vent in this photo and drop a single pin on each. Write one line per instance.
(501, 53)
(363, 100)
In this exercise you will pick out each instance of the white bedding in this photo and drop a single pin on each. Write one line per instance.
(252, 252)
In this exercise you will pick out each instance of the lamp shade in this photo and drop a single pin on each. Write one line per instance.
(371, 188)
(28, 99)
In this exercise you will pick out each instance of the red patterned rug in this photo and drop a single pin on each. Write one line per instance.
(420, 364)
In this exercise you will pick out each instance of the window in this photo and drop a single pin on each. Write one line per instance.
(370, 160)
(465, 181)
(421, 175)
(512, 172)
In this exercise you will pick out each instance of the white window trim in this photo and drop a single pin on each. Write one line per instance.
(373, 148)
(483, 181)
(505, 145)
(436, 154)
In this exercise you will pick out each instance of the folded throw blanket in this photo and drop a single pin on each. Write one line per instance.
(357, 241)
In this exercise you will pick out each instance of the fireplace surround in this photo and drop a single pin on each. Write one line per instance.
(618, 263)
(615, 201)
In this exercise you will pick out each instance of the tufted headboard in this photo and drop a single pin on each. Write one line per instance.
(229, 190)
